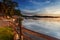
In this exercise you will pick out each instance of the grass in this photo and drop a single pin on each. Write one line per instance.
(6, 33)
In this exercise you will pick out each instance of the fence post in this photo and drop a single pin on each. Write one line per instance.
(20, 26)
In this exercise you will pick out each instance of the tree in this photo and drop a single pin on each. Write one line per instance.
(8, 8)
(17, 12)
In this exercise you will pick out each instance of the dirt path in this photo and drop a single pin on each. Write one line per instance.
(4, 23)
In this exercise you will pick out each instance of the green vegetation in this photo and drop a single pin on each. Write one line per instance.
(9, 8)
(6, 33)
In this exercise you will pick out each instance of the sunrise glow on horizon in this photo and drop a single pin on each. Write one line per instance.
(39, 6)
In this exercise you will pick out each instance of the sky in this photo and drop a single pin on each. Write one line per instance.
(39, 6)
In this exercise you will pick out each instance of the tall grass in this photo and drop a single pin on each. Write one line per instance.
(6, 33)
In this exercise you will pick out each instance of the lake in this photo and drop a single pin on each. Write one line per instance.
(48, 26)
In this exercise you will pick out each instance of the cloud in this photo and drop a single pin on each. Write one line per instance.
(36, 8)
(34, 2)
(39, 3)
(47, 1)
(31, 11)
(47, 7)
(55, 9)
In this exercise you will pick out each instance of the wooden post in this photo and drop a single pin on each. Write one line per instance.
(20, 26)
(14, 35)
(18, 22)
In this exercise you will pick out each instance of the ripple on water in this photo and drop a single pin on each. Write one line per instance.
(51, 28)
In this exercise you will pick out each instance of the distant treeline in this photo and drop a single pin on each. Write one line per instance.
(42, 16)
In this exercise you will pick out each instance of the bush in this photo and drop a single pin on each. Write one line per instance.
(6, 33)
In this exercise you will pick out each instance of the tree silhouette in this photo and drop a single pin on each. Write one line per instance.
(8, 8)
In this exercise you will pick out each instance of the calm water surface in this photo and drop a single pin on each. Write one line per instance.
(48, 26)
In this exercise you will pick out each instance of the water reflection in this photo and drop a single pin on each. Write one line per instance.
(47, 26)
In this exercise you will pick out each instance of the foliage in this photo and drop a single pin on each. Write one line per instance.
(6, 33)
(9, 8)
